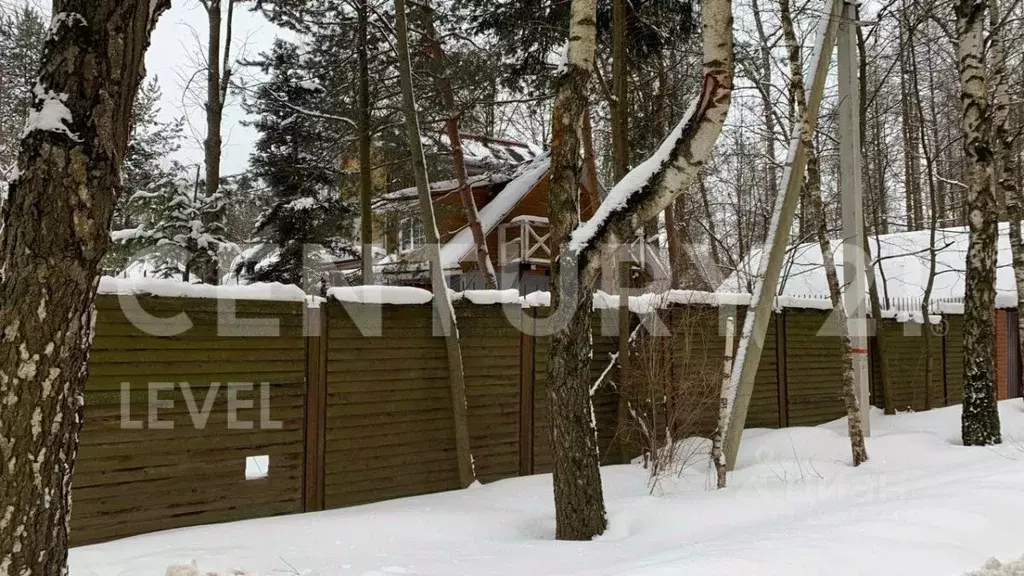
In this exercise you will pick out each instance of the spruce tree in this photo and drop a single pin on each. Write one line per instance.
(295, 160)
(22, 33)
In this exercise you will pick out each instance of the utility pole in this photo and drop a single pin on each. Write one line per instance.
(755, 325)
(854, 292)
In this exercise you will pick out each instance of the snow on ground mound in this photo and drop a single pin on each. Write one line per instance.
(923, 504)
(994, 568)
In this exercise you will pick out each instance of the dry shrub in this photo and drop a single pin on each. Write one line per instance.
(671, 389)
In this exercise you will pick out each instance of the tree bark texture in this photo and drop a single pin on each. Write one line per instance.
(56, 232)
(579, 498)
(980, 419)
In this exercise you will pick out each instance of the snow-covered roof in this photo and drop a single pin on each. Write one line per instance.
(442, 187)
(488, 153)
(493, 213)
(525, 179)
(904, 259)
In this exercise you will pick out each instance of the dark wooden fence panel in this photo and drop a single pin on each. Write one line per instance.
(542, 463)
(132, 477)
(764, 404)
(365, 418)
(491, 357)
(390, 431)
(814, 369)
(906, 359)
(954, 354)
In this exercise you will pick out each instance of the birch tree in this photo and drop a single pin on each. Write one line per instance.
(56, 232)
(811, 194)
(980, 420)
(638, 198)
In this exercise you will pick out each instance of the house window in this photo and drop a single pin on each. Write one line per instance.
(410, 234)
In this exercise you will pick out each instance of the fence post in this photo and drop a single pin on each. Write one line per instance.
(316, 408)
(781, 375)
(527, 357)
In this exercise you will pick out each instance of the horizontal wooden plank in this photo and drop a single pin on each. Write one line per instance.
(185, 468)
(92, 459)
(147, 357)
(84, 534)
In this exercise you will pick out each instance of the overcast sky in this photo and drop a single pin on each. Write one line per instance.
(170, 58)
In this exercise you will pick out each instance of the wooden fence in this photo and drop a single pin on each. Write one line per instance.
(356, 418)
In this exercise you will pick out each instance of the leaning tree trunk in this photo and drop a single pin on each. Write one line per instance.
(1005, 162)
(56, 232)
(443, 310)
(579, 506)
(980, 420)
(451, 126)
(812, 200)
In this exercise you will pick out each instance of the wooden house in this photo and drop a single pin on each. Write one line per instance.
(513, 211)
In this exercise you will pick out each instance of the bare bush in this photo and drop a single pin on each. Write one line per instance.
(671, 387)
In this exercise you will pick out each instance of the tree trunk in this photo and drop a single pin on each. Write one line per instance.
(813, 202)
(217, 77)
(444, 312)
(579, 507)
(214, 107)
(911, 168)
(56, 232)
(929, 360)
(620, 92)
(717, 442)
(451, 126)
(365, 158)
(579, 499)
(980, 424)
(1004, 160)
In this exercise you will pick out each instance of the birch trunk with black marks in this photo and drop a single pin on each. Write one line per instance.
(980, 418)
(56, 232)
(579, 505)
(1004, 159)
(451, 126)
(812, 200)
(579, 499)
(443, 311)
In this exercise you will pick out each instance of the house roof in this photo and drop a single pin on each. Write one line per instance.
(523, 181)
(904, 267)
(438, 189)
(461, 245)
(488, 153)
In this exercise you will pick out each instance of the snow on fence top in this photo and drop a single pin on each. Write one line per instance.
(175, 289)
(410, 296)
(400, 295)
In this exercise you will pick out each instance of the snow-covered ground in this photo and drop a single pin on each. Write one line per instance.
(923, 505)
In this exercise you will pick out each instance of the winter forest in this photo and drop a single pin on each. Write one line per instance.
(759, 266)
